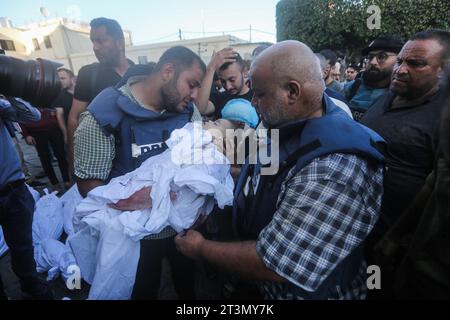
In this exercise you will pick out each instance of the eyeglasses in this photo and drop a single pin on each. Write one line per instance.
(381, 56)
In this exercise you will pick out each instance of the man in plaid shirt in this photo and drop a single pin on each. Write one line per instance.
(307, 224)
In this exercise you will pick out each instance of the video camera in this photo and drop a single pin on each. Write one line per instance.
(35, 81)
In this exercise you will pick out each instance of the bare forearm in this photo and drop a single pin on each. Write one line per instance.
(61, 122)
(218, 59)
(202, 101)
(70, 146)
(238, 257)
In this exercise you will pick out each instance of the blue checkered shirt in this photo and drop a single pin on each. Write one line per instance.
(328, 209)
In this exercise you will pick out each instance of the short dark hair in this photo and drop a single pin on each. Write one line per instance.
(238, 60)
(68, 71)
(441, 36)
(112, 27)
(354, 66)
(330, 55)
(181, 57)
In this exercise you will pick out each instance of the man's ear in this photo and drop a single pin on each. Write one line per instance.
(294, 90)
(167, 72)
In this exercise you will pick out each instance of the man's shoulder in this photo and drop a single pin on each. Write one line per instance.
(87, 123)
(106, 98)
(105, 103)
(338, 167)
(86, 117)
(63, 97)
(89, 69)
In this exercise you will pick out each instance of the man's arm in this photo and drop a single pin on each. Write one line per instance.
(210, 109)
(78, 107)
(81, 98)
(61, 122)
(218, 59)
(94, 152)
(238, 257)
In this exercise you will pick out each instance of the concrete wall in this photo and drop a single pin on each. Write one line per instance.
(19, 42)
(203, 47)
(71, 45)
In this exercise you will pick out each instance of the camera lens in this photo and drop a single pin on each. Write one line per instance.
(35, 81)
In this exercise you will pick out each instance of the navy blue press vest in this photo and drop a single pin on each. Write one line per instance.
(300, 143)
(139, 133)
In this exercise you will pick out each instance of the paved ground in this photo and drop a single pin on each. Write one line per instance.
(207, 284)
(39, 179)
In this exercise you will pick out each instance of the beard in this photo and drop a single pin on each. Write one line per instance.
(275, 116)
(170, 96)
(374, 76)
(240, 86)
(112, 60)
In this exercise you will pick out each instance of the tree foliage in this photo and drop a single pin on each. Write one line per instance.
(342, 24)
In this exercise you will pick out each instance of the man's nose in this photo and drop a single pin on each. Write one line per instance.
(194, 94)
(401, 69)
(228, 86)
(95, 46)
(373, 61)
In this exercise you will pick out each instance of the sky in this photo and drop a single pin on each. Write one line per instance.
(153, 21)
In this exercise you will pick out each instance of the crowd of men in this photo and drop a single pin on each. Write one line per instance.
(364, 164)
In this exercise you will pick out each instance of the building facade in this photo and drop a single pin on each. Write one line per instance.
(68, 43)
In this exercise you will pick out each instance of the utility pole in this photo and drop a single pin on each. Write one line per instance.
(179, 34)
(203, 22)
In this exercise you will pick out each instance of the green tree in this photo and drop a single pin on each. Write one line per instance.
(342, 24)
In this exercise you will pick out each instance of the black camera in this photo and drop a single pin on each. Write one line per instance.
(35, 81)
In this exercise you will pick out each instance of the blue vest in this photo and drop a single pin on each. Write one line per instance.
(139, 133)
(300, 143)
(364, 98)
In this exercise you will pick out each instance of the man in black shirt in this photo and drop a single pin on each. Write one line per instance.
(407, 118)
(109, 47)
(63, 103)
(228, 65)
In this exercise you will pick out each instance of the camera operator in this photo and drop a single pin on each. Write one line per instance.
(16, 202)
